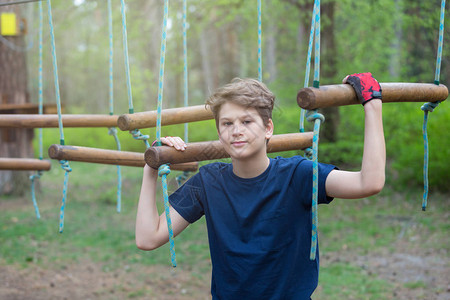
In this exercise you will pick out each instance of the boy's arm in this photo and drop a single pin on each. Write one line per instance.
(151, 228)
(370, 179)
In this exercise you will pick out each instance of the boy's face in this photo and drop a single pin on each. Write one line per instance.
(242, 131)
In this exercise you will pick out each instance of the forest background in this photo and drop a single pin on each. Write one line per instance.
(383, 247)
(395, 40)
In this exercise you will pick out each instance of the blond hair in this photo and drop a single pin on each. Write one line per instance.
(247, 92)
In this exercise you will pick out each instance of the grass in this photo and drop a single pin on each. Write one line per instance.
(95, 231)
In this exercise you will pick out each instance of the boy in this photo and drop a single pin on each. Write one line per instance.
(257, 209)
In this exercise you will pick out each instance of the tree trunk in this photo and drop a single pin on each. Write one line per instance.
(13, 89)
(328, 70)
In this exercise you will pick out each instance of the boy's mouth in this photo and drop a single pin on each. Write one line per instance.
(239, 143)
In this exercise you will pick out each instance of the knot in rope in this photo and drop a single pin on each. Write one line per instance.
(163, 170)
(308, 153)
(137, 135)
(313, 115)
(429, 106)
(112, 131)
(65, 165)
(37, 175)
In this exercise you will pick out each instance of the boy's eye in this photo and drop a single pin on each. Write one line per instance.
(227, 123)
(247, 122)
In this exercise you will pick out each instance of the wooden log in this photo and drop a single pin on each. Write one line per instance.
(343, 94)
(200, 151)
(110, 157)
(51, 121)
(24, 164)
(168, 117)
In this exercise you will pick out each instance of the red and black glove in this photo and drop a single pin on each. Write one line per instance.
(365, 86)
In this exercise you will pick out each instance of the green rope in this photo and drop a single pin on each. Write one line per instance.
(39, 173)
(164, 169)
(430, 106)
(64, 163)
(135, 133)
(260, 75)
(317, 118)
(113, 131)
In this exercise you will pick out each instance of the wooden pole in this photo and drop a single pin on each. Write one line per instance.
(104, 156)
(156, 156)
(343, 94)
(168, 117)
(24, 164)
(51, 121)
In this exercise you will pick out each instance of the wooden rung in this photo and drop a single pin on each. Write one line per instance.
(343, 94)
(110, 157)
(51, 121)
(24, 164)
(168, 117)
(200, 151)
(27, 108)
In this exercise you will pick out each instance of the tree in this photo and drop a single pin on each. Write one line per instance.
(13, 90)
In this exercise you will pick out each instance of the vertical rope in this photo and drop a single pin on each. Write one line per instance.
(317, 118)
(64, 163)
(430, 106)
(259, 43)
(186, 90)
(317, 47)
(125, 54)
(440, 44)
(308, 64)
(161, 71)
(113, 131)
(38, 173)
(137, 135)
(164, 170)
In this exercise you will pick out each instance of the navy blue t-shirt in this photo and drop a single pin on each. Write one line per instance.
(259, 229)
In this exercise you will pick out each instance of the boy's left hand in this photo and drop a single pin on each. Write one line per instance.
(366, 87)
(174, 141)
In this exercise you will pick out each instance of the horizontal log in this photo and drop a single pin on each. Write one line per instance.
(24, 164)
(200, 151)
(110, 157)
(169, 116)
(51, 121)
(343, 94)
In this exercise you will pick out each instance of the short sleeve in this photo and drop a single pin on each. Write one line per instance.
(187, 200)
(304, 172)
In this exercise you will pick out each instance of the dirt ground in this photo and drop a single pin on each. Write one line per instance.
(87, 280)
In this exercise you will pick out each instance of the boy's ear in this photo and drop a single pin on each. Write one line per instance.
(269, 129)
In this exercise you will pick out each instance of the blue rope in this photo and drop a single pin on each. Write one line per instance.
(318, 118)
(186, 81)
(111, 57)
(440, 44)
(64, 163)
(125, 53)
(113, 131)
(161, 70)
(163, 171)
(317, 47)
(430, 106)
(38, 173)
(308, 65)
(33, 196)
(136, 133)
(260, 75)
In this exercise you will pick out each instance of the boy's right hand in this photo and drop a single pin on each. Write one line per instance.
(173, 141)
(366, 87)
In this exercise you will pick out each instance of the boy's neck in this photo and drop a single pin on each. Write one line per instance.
(250, 168)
